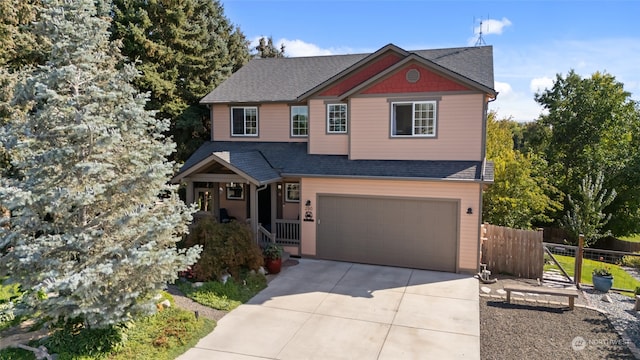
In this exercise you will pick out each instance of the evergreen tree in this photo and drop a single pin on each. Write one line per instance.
(184, 49)
(586, 213)
(19, 46)
(266, 49)
(89, 235)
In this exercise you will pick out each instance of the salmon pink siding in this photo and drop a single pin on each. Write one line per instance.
(291, 211)
(319, 141)
(459, 128)
(274, 124)
(235, 208)
(467, 193)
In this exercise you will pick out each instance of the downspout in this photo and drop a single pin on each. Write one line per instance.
(482, 172)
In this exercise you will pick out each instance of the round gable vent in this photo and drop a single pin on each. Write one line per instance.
(413, 75)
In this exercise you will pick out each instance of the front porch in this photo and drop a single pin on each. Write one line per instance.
(246, 189)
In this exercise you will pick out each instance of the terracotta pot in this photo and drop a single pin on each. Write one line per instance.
(273, 265)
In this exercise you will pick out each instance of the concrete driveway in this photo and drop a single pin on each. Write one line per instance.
(336, 310)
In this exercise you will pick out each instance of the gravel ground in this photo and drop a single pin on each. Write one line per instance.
(522, 331)
(184, 302)
(542, 327)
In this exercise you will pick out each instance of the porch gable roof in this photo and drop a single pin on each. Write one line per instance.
(265, 162)
(251, 165)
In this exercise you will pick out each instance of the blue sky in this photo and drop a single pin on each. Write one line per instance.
(532, 40)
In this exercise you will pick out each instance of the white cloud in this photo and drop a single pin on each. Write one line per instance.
(299, 48)
(514, 104)
(489, 27)
(295, 48)
(530, 68)
(541, 84)
(492, 26)
(503, 88)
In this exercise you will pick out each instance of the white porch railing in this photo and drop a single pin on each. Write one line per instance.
(264, 236)
(287, 232)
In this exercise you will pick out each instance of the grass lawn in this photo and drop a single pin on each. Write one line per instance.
(621, 279)
(227, 296)
(8, 293)
(630, 238)
(164, 335)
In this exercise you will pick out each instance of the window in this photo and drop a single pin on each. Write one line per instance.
(235, 191)
(205, 200)
(337, 118)
(244, 121)
(413, 118)
(292, 192)
(299, 121)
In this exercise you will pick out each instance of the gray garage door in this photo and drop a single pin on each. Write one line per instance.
(413, 233)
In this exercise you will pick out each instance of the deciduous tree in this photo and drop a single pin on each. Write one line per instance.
(520, 195)
(593, 125)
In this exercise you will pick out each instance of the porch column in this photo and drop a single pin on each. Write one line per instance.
(216, 200)
(189, 194)
(253, 208)
(274, 208)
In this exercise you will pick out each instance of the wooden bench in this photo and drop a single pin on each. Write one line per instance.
(572, 294)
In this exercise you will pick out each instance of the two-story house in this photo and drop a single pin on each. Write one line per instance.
(374, 158)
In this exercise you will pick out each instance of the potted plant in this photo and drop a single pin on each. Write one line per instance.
(273, 257)
(602, 278)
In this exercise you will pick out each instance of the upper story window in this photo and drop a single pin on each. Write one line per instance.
(244, 121)
(413, 118)
(299, 121)
(336, 118)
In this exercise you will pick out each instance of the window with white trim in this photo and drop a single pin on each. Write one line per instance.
(413, 118)
(292, 192)
(336, 118)
(244, 121)
(299, 121)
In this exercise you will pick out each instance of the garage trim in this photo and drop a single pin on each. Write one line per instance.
(456, 203)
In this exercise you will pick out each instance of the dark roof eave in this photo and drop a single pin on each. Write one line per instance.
(222, 102)
(373, 177)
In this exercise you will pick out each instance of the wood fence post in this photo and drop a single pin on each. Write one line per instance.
(577, 273)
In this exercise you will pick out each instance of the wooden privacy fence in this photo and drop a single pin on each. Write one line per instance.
(512, 251)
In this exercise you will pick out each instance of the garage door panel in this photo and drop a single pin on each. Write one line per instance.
(415, 233)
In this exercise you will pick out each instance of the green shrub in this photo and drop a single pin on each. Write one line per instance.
(73, 339)
(631, 260)
(226, 247)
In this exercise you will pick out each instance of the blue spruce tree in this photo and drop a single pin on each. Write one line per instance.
(93, 225)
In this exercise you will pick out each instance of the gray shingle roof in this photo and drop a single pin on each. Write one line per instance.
(291, 159)
(285, 79)
(251, 163)
(281, 79)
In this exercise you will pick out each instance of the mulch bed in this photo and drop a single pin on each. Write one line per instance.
(521, 330)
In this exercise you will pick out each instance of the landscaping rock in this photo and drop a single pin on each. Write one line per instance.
(197, 284)
(485, 289)
(166, 304)
(501, 292)
(606, 298)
